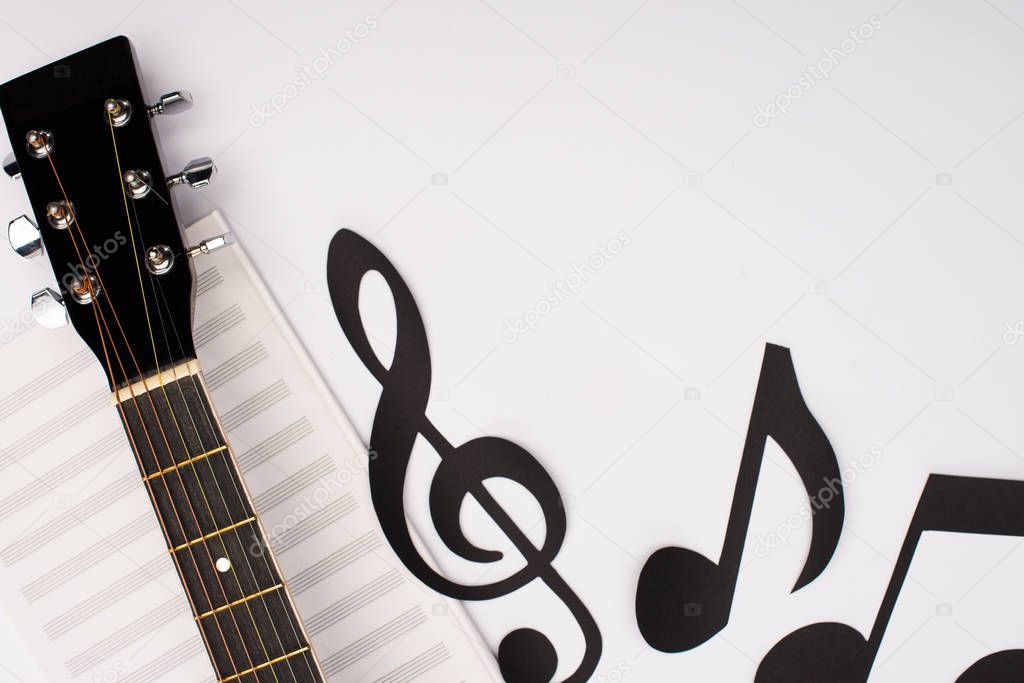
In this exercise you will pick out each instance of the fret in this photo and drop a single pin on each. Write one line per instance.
(213, 534)
(239, 599)
(185, 463)
(272, 662)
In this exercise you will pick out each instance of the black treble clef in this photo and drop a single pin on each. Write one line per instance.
(524, 655)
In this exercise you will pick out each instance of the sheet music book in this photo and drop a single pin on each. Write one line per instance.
(85, 572)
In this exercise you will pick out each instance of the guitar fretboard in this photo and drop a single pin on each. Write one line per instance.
(223, 559)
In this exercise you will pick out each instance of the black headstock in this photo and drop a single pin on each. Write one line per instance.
(81, 134)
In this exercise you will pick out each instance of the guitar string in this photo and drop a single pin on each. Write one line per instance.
(181, 436)
(157, 288)
(283, 596)
(131, 439)
(100, 315)
(269, 564)
(190, 545)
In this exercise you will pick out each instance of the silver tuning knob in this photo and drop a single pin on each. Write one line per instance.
(210, 245)
(24, 236)
(197, 173)
(171, 103)
(11, 167)
(48, 309)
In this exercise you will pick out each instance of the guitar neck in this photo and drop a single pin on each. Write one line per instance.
(85, 148)
(224, 560)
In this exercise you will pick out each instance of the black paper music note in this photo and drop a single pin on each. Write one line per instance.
(840, 654)
(683, 599)
(524, 655)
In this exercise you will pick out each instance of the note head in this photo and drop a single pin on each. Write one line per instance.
(527, 656)
(679, 600)
(820, 652)
(1001, 667)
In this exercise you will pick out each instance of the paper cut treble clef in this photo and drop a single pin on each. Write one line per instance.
(524, 655)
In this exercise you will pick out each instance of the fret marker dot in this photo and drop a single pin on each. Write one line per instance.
(223, 564)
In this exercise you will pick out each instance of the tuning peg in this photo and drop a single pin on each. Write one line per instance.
(197, 173)
(11, 167)
(48, 309)
(171, 103)
(209, 245)
(24, 236)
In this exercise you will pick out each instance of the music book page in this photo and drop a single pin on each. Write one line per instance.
(86, 575)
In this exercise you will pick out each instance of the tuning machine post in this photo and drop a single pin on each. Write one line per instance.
(119, 111)
(39, 143)
(138, 183)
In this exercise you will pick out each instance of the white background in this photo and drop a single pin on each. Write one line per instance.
(488, 147)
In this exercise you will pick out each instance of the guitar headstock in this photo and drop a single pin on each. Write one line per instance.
(101, 207)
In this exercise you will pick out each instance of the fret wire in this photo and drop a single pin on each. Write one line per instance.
(266, 664)
(212, 534)
(100, 316)
(235, 603)
(191, 460)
